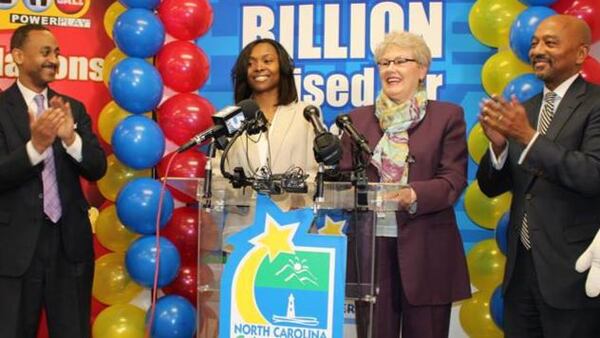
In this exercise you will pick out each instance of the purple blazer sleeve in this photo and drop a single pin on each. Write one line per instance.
(449, 175)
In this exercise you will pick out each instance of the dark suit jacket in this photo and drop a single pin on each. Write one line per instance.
(430, 251)
(21, 191)
(558, 185)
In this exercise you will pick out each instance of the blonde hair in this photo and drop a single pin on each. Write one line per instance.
(405, 40)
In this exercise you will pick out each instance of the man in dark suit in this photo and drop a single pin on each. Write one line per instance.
(46, 144)
(546, 151)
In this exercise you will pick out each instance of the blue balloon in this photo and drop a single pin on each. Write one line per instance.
(140, 261)
(147, 4)
(137, 205)
(501, 233)
(538, 2)
(523, 87)
(497, 307)
(136, 85)
(174, 317)
(139, 33)
(138, 142)
(522, 29)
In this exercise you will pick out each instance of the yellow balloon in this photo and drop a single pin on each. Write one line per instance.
(490, 20)
(110, 60)
(500, 69)
(486, 265)
(478, 144)
(476, 318)
(120, 321)
(109, 118)
(111, 15)
(117, 175)
(111, 233)
(485, 211)
(112, 284)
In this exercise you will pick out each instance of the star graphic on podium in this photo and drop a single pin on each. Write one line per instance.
(332, 227)
(276, 238)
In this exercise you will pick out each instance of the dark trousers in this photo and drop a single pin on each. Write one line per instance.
(392, 311)
(62, 287)
(526, 314)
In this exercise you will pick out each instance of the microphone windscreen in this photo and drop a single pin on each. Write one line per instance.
(310, 110)
(327, 149)
(250, 108)
(341, 120)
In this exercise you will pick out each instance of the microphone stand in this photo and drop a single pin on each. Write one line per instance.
(359, 180)
(238, 179)
(207, 187)
(320, 190)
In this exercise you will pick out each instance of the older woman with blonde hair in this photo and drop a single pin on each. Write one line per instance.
(421, 144)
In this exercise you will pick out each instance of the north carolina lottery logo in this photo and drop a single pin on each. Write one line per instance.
(281, 281)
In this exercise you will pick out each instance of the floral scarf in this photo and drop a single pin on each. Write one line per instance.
(391, 153)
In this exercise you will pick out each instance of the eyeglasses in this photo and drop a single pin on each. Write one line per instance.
(384, 63)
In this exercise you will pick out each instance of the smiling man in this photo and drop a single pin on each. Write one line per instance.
(546, 151)
(46, 145)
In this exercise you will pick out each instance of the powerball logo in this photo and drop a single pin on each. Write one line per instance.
(62, 13)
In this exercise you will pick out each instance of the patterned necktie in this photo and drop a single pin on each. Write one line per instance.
(544, 122)
(52, 207)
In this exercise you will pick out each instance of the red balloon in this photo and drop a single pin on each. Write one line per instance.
(99, 249)
(187, 164)
(97, 307)
(182, 231)
(186, 19)
(183, 116)
(182, 65)
(187, 281)
(588, 10)
(591, 70)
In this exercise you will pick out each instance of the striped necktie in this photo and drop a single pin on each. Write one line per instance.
(545, 118)
(52, 207)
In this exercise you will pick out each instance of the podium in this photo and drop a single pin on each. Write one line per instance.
(227, 210)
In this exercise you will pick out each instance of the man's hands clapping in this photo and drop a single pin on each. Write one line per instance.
(501, 119)
(56, 121)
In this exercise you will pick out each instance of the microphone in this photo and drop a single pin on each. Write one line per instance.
(344, 122)
(326, 146)
(227, 122)
(250, 108)
(255, 118)
(311, 114)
